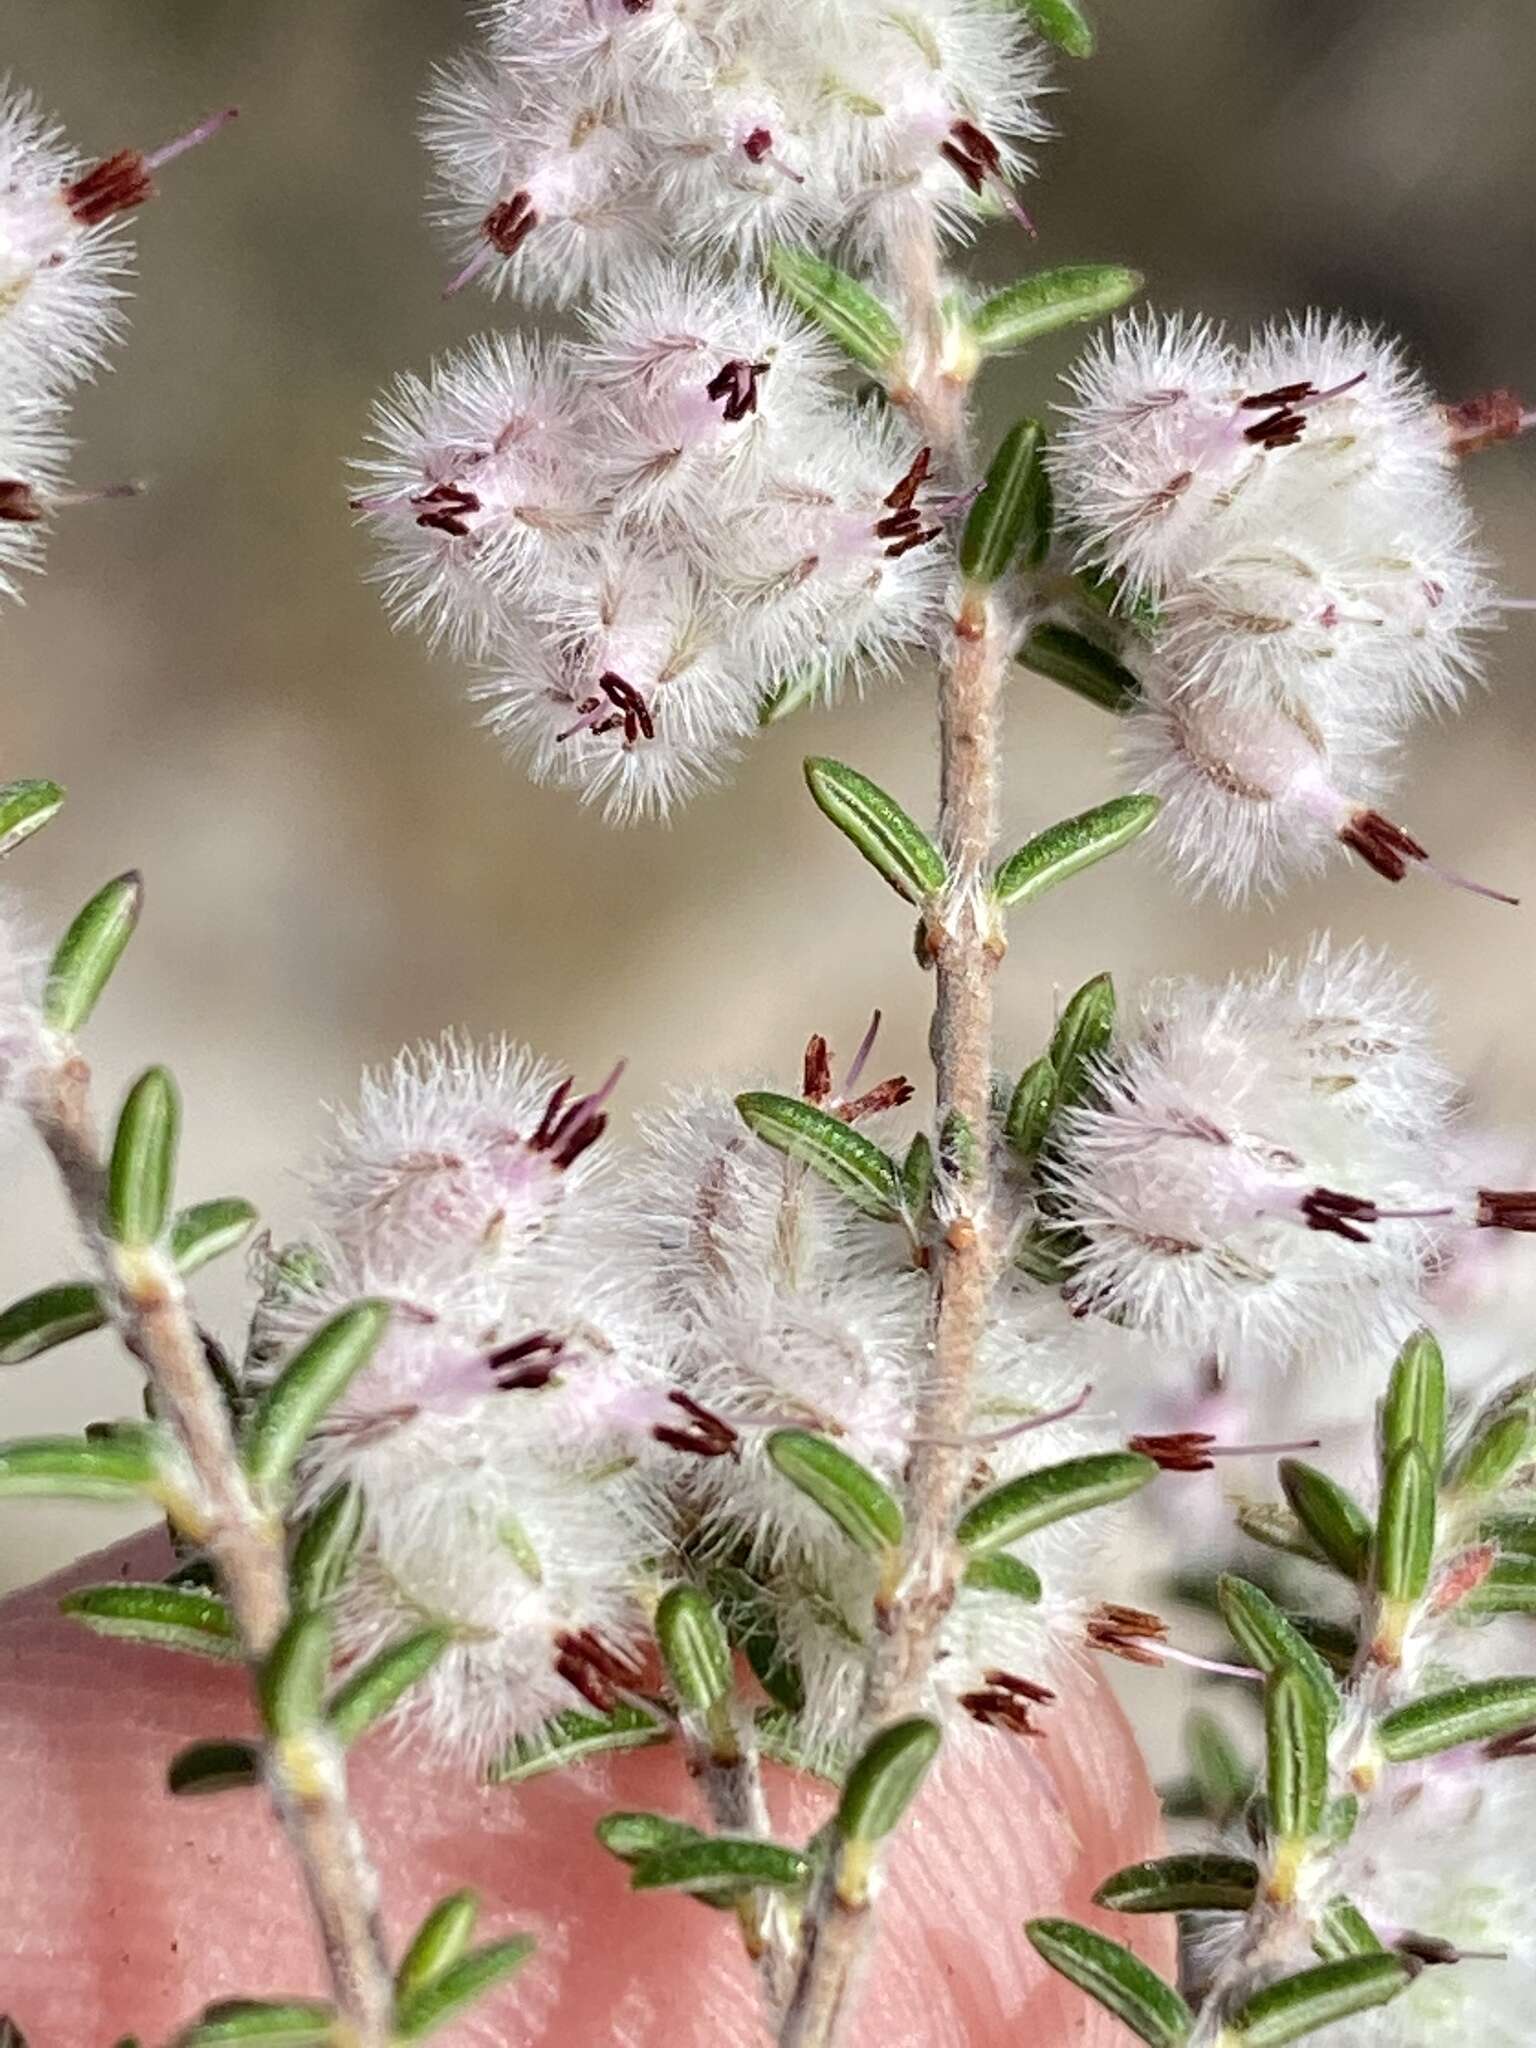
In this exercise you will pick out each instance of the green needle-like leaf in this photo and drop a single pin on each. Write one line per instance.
(1296, 1742)
(1001, 1573)
(1081, 666)
(1503, 1445)
(1462, 1713)
(119, 1467)
(1118, 1980)
(886, 1779)
(1295, 2007)
(1220, 1772)
(209, 1229)
(291, 1683)
(1083, 1035)
(1051, 299)
(842, 1156)
(1021, 1506)
(167, 1617)
(1405, 1528)
(1066, 849)
(142, 1172)
(1331, 1517)
(1510, 1588)
(89, 951)
(376, 1687)
(25, 807)
(260, 2023)
(1061, 22)
(694, 1648)
(862, 1507)
(633, 1836)
(29, 1328)
(308, 1386)
(1269, 1640)
(1343, 1930)
(573, 1737)
(1030, 1109)
(720, 1862)
(1012, 516)
(899, 851)
(442, 1940)
(1414, 1410)
(1182, 1884)
(458, 1987)
(840, 306)
(326, 1547)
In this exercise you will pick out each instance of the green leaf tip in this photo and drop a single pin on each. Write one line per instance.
(1119, 1981)
(162, 1616)
(713, 1863)
(1012, 517)
(44, 1320)
(142, 1170)
(453, 1990)
(89, 951)
(886, 1778)
(374, 1689)
(26, 807)
(1050, 300)
(1182, 1884)
(1066, 849)
(313, 1380)
(1294, 2007)
(1061, 22)
(1020, 1506)
(694, 1648)
(845, 310)
(1081, 666)
(861, 1505)
(853, 1164)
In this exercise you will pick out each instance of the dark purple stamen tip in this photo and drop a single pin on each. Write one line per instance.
(445, 509)
(736, 384)
(710, 1437)
(634, 713)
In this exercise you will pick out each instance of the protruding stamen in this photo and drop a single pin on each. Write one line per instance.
(634, 711)
(528, 1365)
(597, 1673)
(816, 1070)
(857, 1064)
(126, 179)
(985, 1439)
(1506, 1208)
(710, 1436)
(1287, 406)
(1351, 1216)
(445, 509)
(192, 139)
(97, 494)
(1140, 1638)
(758, 149)
(567, 1129)
(1004, 1700)
(1519, 1742)
(973, 153)
(736, 383)
(884, 1095)
(20, 503)
(1432, 1951)
(504, 230)
(1195, 1450)
(1488, 418)
(1390, 850)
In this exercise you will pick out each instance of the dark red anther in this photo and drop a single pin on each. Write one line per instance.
(710, 1436)
(736, 383)
(527, 1365)
(1380, 844)
(1125, 1632)
(637, 6)
(913, 540)
(1506, 1208)
(509, 224)
(632, 708)
(889, 1094)
(978, 145)
(1282, 395)
(1184, 1450)
(904, 495)
(566, 1130)
(1480, 422)
(597, 1672)
(816, 1070)
(994, 1708)
(1025, 1688)
(1518, 1742)
(444, 509)
(19, 502)
(1339, 1215)
(757, 145)
(115, 185)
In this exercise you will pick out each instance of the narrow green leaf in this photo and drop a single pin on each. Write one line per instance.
(886, 1779)
(1061, 22)
(916, 1175)
(209, 1229)
(573, 1737)
(1496, 1452)
(1513, 1534)
(1083, 1035)
(29, 1328)
(1066, 849)
(898, 849)
(1030, 1109)
(1414, 1410)
(1012, 515)
(326, 1546)
(25, 807)
(258, 2023)
(1081, 666)
(376, 1687)
(1405, 1529)
(720, 1862)
(1510, 1588)
(1462, 1713)
(312, 1381)
(864, 1509)
(441, 1940)
(1021, 1506)
(694, 1649)
(1221, 1773)
(168, 1617)
(1118, 1980)
(751, 1623)
(840, 306)
(1296, 1745)
(89, 951)
(460, 1986)
(1343, 1930)
(1332, 1518)
(1051, 299)
(1294, 2007)
(207, 1767)
(1182, 1884)
(634, 1836)
(142, 1171)
(291, 1682)
(1267, 1522)
(1001, 1573)
(117, 1467)
(852, 1163)
(1269, 1640)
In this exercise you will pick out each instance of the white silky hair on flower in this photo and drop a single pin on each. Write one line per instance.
(23, 965)
(482, 487)
(546, 192)
(32, 454)
(634, 694)
(1214, 1184)
(59, 277)
(459, 1152)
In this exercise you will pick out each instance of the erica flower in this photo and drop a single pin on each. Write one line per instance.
(1236, 1202)
(482, 487)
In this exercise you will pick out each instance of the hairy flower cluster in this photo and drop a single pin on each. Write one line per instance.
(62, 260)
(1287, 533)
(1256, 1178)
(587, 134)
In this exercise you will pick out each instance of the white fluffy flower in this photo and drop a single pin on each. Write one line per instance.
(482, 487)
(1233, 1198)
(32, 449)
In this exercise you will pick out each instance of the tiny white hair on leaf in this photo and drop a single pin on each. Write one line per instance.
(481, 487)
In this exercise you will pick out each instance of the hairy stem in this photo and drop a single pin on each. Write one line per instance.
(245, 1543)
(965, 944)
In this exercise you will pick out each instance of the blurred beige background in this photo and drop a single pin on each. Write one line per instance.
(338, 861)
